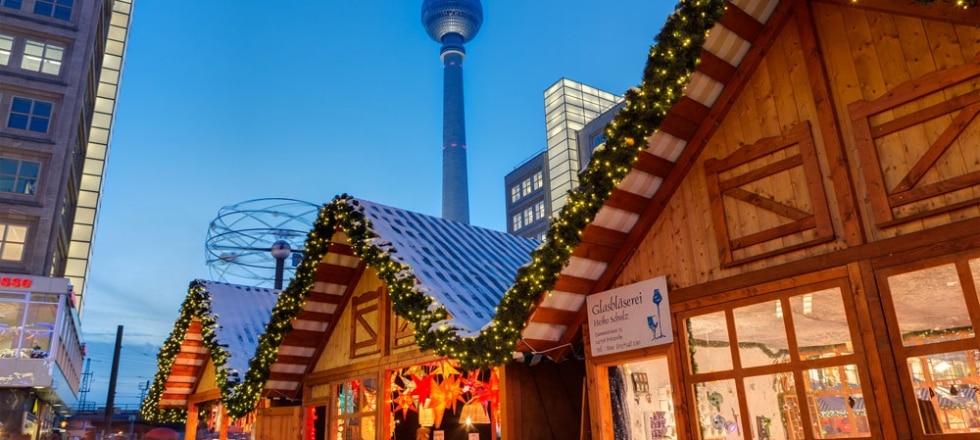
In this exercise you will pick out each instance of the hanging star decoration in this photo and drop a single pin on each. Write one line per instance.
(404, 403)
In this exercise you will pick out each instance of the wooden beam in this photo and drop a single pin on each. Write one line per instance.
(679, 127)
(568, 283)
(627, 201)
(301, 360)
(330, 273)
(689, 110)
(716, 68)
(593, 251)
(604, 236)
(941, 11)
(302, 338)
(741, 23)
(652, 164)
(549, 315)
(307, 315)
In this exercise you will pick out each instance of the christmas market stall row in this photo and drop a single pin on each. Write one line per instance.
(780, 238)
(363, 343)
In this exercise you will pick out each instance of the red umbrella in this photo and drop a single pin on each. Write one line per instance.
(161, 433)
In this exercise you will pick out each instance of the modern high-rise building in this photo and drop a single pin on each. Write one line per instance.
(575, 119)
(452, 23)
(60, 67)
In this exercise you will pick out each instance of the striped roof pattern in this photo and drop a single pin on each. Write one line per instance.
(242, 313)
(462, 267)
(727, 45)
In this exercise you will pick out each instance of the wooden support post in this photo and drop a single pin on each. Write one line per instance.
(190, 428)
(223, 428)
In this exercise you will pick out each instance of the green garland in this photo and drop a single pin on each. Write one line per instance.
(196, 305)
(668, 70)
(669, 67)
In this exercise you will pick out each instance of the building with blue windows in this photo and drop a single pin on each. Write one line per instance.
(575, 118)
(60, 67)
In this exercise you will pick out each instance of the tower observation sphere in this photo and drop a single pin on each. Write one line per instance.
(452, 23)
(443, 17)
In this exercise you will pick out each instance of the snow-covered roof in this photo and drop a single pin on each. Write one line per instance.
(465, 268)
(241, 313)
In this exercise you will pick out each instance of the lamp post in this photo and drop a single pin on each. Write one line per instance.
(280, 251)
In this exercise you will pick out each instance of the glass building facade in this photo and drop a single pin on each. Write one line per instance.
(40, 354)
(568, 107)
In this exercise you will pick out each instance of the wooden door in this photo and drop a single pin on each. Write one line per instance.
(281, 423)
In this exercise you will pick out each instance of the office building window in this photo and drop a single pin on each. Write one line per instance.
(526, 187)
(12, 240)
(528, 216)
(539, 210)
(42, 57)
(6, 46)
(538, 180)
(28, 114)
(60, 9)
(18, 176)
(11, 3)
(515, 193)
(516, 222)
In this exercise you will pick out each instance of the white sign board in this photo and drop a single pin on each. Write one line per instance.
(630, 317)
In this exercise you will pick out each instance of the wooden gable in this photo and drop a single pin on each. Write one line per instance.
(189, 366)
(763, 162)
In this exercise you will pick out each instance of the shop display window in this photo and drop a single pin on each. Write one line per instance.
(777, 366)
(439, 401)
(932, 309)
(355, 410)
(27, 328)
(642, 399)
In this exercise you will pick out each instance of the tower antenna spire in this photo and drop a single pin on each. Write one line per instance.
(452, 23)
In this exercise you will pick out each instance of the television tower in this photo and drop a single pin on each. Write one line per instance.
(452, 23)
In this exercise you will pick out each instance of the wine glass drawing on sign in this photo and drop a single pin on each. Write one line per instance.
(653, 323)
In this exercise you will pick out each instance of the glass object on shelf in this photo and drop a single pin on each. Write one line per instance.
(645, 409)
(775, 416)
(718, 410)
(820, 324)
(709, 343)
(761, 333)
(930, 305)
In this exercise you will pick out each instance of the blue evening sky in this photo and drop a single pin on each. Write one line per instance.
(224, 101)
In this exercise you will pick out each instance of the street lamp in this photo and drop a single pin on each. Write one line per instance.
(280, 251)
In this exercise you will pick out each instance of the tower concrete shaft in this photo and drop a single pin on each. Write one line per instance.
(455, 191)
(452, 23)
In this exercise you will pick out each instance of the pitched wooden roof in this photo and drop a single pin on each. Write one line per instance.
(218, 321)
(442, 275)
(736, 43)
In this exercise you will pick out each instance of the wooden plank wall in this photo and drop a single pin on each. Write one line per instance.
(280, 423)
(682, 244)
(869, 53)
(865, 54)
(543, 401)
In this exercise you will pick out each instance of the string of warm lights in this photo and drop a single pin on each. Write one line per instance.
(670, 63)
(196, 305)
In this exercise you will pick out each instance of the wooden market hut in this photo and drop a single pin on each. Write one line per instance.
(375, 337)
(800, 191)
(206, 357)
